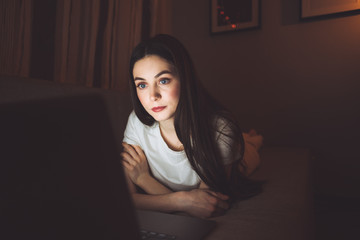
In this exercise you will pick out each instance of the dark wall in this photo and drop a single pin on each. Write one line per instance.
(297, 82)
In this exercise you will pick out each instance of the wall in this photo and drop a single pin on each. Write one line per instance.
(297, 82)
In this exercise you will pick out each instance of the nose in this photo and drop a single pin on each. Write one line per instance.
(154, 93)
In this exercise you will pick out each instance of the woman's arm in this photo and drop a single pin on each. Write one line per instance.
(159, 202)
(198, 202)
(201, 203)
(137, 170)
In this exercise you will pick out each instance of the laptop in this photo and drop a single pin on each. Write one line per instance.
(61, 177)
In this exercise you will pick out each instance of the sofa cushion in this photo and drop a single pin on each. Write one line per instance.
(283, 210)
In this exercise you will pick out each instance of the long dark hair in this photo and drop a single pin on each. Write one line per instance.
(196, 119)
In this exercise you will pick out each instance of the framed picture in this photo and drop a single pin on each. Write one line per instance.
(314, 8)
(234, 15)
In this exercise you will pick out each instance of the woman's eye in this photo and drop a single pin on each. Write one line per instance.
(141, 85)
(164, 81)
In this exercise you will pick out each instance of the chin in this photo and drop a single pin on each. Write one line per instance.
(162, 117)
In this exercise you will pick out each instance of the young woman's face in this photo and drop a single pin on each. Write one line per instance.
(157, 86)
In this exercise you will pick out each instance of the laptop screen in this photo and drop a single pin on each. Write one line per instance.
(60, 172)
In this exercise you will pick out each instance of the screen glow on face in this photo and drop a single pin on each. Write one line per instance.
(157, 86)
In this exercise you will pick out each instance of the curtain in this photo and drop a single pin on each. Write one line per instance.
(15, 37)
(94, 39)
(160, 17)
(157, 18)
(83, 42)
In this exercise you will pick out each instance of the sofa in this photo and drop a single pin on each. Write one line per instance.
(284, 210)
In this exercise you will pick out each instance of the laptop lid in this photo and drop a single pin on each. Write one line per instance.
(60, 172)
(181, 226)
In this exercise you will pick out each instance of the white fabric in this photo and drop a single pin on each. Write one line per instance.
(169, 167)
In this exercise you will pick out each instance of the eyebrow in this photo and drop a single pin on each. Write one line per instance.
(156, 76)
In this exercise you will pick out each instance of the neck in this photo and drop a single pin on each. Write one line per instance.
(169, 135)
(167, 126)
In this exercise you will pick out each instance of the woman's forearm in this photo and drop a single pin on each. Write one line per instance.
(152, 186)
(197, 202)
(169, 202)
(202, 203)
(164, 202)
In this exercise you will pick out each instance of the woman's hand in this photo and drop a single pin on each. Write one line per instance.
(204, 203)
(135, 162)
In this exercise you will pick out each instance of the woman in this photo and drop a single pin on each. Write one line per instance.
(182, 150)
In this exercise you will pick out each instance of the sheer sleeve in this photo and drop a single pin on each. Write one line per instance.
(229, 149)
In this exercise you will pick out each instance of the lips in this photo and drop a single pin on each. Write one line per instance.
(158, 109)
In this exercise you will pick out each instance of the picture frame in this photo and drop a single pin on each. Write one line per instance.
(234, 15)
(316, 8)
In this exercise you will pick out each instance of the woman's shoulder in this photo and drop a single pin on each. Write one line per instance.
(132, 116)
(136, 122)
(222, 123)
(226, 129)
(135, 130)
(133, 119)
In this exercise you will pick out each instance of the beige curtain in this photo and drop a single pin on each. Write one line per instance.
(15, 37)
(94, 39)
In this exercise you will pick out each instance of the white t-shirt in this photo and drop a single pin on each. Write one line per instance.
(169, 167)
